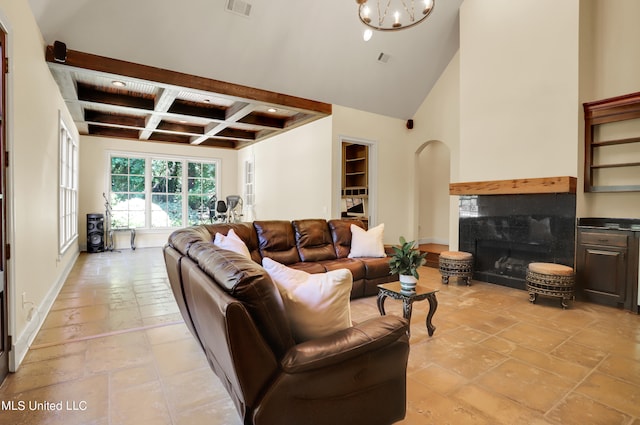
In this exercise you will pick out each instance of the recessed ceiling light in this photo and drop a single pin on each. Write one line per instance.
(118, 83)
(272, 110)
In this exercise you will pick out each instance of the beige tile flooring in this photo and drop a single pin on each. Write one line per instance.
(114, 350)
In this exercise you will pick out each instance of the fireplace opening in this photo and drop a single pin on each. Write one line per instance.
(507, 232)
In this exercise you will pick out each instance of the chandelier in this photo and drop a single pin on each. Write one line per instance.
(392, 15)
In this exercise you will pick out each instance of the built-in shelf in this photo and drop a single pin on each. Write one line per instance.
(355, 168)
(600, 116)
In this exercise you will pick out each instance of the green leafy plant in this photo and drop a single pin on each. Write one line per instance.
(406, 258)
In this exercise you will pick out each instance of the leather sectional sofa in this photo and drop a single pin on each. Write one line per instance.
(233, 308)
(312, 245)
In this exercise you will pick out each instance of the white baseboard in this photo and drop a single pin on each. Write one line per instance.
(22, 342)
(438, 241)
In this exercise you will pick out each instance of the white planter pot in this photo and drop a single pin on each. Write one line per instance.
(408, 282)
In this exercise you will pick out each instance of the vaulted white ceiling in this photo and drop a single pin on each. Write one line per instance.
(304, 48)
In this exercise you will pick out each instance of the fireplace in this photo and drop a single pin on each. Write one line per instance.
(506, 232)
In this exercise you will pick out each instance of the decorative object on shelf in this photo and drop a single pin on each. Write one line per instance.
(392, 15)
(405, 261)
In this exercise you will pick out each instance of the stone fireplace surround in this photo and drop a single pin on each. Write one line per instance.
(508, 224)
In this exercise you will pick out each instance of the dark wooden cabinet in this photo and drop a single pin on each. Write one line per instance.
(607, 267)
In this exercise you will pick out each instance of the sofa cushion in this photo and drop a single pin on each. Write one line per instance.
(341, 235)
(246, 281)
(231, 242)
(308, 267)
(354, 265)
(317, 304)
(244, 231)
(313, 240)
(376, 267)
(367, 243)
(182, 239)
(276, 240)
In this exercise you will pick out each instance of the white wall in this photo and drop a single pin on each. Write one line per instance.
(293, 173)
(394, 164)
(33, 109)
(438, 119)
(94, 180)
(433, 193)
(519, 110)
(609, 63)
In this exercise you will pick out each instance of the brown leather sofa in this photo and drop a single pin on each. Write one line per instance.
(312, 245)
(234, 309)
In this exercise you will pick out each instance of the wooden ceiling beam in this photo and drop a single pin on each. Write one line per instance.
(116, 120)
(263, 120)
(119, 132)
(91, 94)
(129, 69)
(190, 109)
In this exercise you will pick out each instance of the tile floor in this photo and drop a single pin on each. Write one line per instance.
(114, 350)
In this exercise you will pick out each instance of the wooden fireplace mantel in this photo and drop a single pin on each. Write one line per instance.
(564, 184)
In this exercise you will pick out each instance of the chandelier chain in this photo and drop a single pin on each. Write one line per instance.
(412, 11)
(382, 16)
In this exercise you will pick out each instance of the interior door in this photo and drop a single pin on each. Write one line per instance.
(4, 327)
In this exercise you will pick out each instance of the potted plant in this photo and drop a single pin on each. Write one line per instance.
(405, 261)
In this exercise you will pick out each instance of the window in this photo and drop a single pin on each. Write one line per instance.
(202, 186)
(166, 189)
(249, 194)
(128, 206)
(68, 193)
(161, 193)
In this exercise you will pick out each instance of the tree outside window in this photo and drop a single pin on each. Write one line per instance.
(128, 192)
(166, 193)
(201, 188)
(151, 192)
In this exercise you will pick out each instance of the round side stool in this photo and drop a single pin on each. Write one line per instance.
(456, 264)
(552, 280)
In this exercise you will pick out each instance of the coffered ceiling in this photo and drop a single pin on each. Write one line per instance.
(298, 57)
(115, 98)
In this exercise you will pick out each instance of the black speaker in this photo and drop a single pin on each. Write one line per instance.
(95, 232)
(59, 51)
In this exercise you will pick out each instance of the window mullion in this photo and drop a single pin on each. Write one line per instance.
(148, 175)
(185, 192)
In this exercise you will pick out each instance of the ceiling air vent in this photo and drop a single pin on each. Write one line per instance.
(239, 7)
(383, 57)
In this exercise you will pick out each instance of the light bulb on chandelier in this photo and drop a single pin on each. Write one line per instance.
(391, 15)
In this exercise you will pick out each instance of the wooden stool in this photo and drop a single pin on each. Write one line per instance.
(456, 264)
(553, 280)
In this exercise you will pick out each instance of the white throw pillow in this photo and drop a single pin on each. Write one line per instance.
(317, 304)
(232, 242)
(367, 243)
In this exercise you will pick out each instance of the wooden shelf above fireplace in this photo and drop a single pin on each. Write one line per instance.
(564, 184)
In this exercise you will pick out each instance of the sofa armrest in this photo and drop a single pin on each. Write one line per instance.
(343, 345)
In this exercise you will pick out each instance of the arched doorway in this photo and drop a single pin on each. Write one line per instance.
(433, 162)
